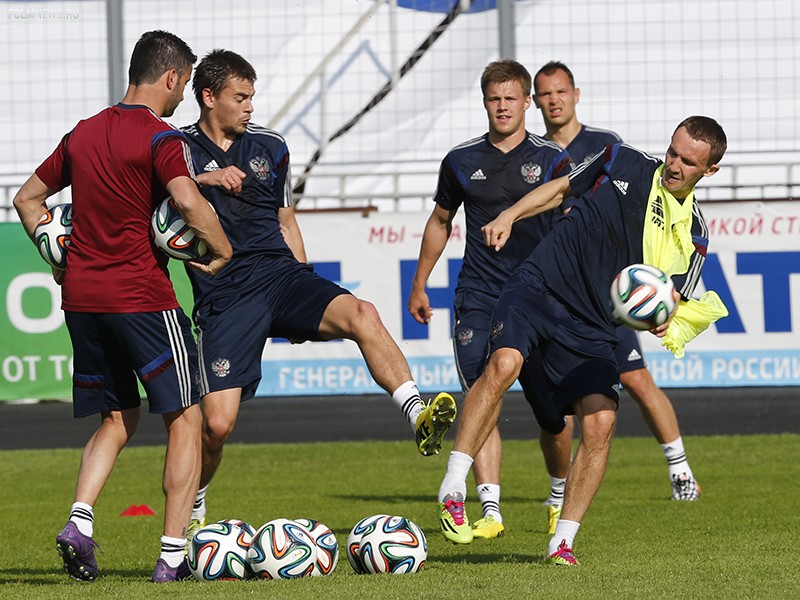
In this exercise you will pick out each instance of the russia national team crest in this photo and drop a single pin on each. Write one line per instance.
(260, 167)
(531, 172)
(496, 330)
(221, 367)
(464, 337)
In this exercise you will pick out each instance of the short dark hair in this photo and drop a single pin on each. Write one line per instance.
(504, 70)
(552, 67)
(157, 52)
(216, 68)
(706, 129)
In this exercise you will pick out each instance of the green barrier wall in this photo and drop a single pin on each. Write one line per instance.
(35, 351)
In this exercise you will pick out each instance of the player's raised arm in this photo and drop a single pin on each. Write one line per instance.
(199, 216)
(546, 197)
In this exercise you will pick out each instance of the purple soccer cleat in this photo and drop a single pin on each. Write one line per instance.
(163, 573)
(77, 552)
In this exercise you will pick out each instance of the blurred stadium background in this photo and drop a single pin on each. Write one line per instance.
(372, 93)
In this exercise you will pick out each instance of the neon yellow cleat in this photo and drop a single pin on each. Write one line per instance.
(487, 528)
(433, 422)
(194, 526)
(553, 515)
(453, 519)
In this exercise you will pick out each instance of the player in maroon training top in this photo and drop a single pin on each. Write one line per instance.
(123, 318)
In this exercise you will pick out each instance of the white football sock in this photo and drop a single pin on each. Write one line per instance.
(489, 495)
(172, 550)
(199, 507)
(676, 458)
(565, 532)
(82, 515)
(556, 497)
(407, 399)
(455, 479)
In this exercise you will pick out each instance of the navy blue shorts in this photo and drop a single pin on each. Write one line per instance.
(628, 351)
(276, 300)
(473, 315)
(577, 358)
(112, 349)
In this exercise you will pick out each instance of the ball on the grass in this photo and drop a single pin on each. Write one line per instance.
(173, 236)
(327, 545)
(353, 549)
(641, 297)
(248, 531)
(395, 545)
(282, 549)
(218, 551)
(53, 233)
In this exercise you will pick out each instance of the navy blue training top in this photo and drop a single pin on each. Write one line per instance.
(250, 220)
(487, 181)
(594, 241)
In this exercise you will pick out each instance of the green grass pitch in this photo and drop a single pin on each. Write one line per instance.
(741, 540)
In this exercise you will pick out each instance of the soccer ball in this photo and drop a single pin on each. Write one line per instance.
(172, 235)
(641, 297)
(52, 235)
(248, 529)
(219, 551)
(327, 545)
(395, 545)
(282, 549)
(364, 526)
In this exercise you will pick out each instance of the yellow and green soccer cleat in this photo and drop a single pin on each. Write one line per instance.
(194, 526)
(487, 528)
(433, 422)
(553, 515)
(453, 519)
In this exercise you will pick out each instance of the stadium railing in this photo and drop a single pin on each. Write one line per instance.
(366, 188)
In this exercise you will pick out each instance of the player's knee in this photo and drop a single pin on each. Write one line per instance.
(598, 427)
(505, 364)
(216, 431)
(122, 424)
(365, 321)
(638, 383)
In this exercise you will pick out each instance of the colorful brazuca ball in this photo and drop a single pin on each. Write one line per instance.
(395, 545)
(282, 549)
(248, 529)
(641, 297)
(327, 545)
(53, 233)
(219, 551)
(353, 548)
(172, 235)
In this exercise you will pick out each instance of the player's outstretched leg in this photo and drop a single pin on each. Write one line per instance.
(433, 422)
